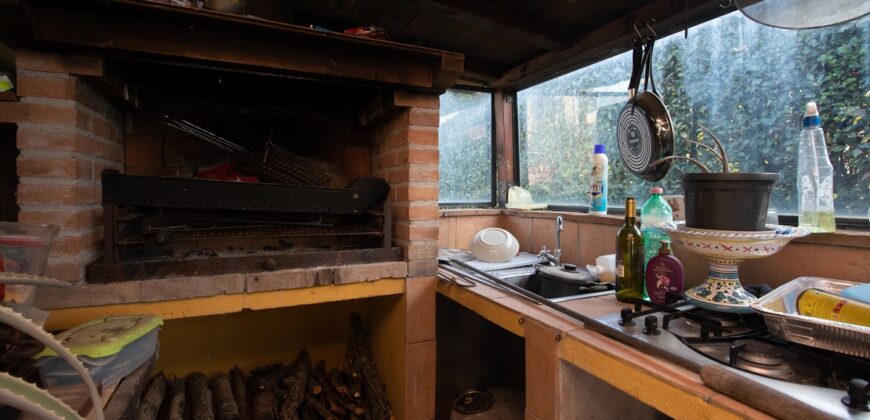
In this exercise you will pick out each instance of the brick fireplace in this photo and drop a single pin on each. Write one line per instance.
(71, 123)
(69, 131)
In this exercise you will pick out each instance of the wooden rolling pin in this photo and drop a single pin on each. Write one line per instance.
(758, 396)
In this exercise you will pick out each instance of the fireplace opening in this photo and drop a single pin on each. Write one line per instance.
(228, 171)
(8, 173)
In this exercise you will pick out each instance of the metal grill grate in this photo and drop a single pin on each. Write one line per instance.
(257, 232)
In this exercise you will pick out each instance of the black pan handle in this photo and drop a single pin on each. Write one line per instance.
(636, 68)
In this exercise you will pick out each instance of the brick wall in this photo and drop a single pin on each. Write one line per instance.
(405, 153)
(67, 134)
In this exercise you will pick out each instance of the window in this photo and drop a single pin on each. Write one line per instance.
(465, 147)
(746, 82)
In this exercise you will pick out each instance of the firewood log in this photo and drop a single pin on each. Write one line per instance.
(225, 403)
(200, 397)
(319, 408)
(355, 383)
(308, 413)
(374, 392)
(240, 392)
(337, 383)
(330, 396)
(353, 407)
(263, 407)
(176, 401)
(296, 384)
(153, 398)
(314, 387)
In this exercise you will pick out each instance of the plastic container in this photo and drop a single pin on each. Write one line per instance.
(598, 181)
(105, 371)
(24, 248)
(110, 348)
(815, 182)
(656, 210)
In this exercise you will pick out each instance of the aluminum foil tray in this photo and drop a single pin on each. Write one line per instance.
(779, 309)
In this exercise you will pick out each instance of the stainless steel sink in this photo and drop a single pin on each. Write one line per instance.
(526, 277)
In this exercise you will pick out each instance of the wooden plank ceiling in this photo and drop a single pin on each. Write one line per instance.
(498, 36)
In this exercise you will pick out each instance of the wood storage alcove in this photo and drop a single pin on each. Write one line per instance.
(214, 345)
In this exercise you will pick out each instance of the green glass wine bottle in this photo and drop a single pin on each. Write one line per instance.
(629, 257)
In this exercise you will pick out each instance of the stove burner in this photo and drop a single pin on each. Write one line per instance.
(727, 320)
(761, 358)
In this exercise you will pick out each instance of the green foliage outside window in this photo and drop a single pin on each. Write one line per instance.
(746, 82)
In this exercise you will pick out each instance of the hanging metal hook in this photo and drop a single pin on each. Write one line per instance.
(654, 34)
(639, 36)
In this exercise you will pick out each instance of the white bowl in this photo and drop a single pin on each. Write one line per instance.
(494, 245)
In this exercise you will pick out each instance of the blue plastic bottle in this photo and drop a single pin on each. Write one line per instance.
(598, 181)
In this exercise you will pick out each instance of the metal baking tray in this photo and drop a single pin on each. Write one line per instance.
(779, 309)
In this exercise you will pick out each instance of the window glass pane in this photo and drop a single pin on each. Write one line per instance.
(746, 82)
(465, 147)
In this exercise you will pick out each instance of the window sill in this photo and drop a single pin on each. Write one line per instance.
(842, 238)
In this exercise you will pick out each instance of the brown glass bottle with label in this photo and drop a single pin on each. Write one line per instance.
(629, 257)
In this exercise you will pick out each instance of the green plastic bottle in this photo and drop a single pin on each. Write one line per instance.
(656, 210)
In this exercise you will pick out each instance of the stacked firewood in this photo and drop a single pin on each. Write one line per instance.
(296, 391)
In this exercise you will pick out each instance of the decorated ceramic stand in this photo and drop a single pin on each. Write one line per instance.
(725, 250)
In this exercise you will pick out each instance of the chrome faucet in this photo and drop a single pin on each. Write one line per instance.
(555, 256)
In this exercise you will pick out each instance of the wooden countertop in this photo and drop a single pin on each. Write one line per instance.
(665, 386)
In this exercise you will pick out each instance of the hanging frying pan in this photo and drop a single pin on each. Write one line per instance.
(644, 132)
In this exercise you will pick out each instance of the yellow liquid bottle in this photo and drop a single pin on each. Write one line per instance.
(821, 304)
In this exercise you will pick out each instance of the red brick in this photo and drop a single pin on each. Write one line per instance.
(36, 85)
(66, 268)
(423, 232)
(416, 193)
(423, 268)
(423, 136)
(395, 124)
(423, 173)
(50, 168)
(52, 113)
(75, 243)
(58, 63)
(416, 100)
(66, 139)
(418, 250)
(104, 129)
(396, 140)
(412, 231)
(143, 151)
(414, 155)
(94, 101)
(76, 218)
(424, 117)
(405, 211)
(57, 194)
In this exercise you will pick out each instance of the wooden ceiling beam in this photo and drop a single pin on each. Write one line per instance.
(495, 17)
(156, 31)
(611, 39)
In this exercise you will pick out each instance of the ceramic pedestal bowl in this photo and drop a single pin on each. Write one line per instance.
(725, 250)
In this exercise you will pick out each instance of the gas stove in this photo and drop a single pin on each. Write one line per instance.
(694, 338)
